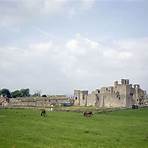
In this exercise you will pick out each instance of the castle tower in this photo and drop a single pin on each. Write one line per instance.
(115, 83)
(125, 81)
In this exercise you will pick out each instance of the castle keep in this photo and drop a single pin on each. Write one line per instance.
(121, 94)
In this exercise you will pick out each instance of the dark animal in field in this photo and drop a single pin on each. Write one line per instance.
(134, 106)
(87, 113)
(43, 113)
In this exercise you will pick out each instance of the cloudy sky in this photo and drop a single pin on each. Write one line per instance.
(57, 46)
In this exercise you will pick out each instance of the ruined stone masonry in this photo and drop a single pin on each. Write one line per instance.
(33, 101)
(119, 95)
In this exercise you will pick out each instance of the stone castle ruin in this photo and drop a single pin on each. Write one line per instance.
(4, 101)
(23, 102)
(119, 95)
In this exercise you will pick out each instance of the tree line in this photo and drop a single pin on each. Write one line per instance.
(14, 94)
(20, 93)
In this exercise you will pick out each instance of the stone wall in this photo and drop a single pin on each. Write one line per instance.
(112, 96)
(4, 101)
(36, 102)
(80, 97)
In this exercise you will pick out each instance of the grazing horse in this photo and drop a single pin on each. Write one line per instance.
(43, 112)
(134, 106)
(87, 113)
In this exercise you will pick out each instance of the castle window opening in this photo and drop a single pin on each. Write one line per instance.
(83, 98)
(131, 94)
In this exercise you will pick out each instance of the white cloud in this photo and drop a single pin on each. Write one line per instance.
(40, 48)
(118, 55)
(80, 62)
(80, 45)
(20, 11)
(72, 44)
(87, 4)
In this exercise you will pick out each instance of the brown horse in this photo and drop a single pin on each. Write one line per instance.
(87, 113)
(43, 112)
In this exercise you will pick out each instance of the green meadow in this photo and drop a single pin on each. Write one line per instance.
(25, 128)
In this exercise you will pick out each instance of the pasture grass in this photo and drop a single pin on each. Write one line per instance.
(25, 128)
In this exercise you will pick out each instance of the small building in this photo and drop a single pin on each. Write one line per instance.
(121, 94)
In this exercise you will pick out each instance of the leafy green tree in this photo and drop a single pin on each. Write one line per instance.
(5, 92)
(25, 92)
(16, 94)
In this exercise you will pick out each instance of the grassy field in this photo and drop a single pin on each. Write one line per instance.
(25, 128)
